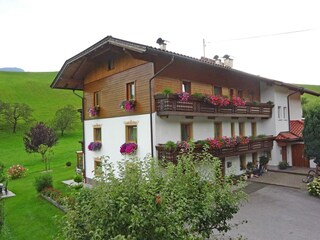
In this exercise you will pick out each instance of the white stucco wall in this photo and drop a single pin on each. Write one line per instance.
(113, 136)
(295, 107)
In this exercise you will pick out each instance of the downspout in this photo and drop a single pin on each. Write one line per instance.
(150, 100)
(82, 145)
(288, 103)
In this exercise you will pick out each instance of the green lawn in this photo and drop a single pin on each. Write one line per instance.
(28, 216)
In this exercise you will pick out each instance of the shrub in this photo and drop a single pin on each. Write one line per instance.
(166, 91)
(43, 181)
(314, 187)
(283, 165)
(68, 164)
(170, 145)
(263, 160)
(16, 171)
(2, 172)
(77, 178)
(146, 201)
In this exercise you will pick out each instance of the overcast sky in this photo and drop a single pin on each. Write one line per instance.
(278, 39)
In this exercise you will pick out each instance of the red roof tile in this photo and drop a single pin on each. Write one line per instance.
(296, 127)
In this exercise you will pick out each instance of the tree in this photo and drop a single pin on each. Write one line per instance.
(39, 140)
(14, 112)
(311, 134)
(65, 119)
(146, 201)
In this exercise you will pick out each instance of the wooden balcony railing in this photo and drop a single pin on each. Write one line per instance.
(256, 145)
(171, 105)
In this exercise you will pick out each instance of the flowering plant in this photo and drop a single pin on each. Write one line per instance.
(127, 105)
(218, 101)
(93, 111)
(243, 140)
(94, 146)
(184, 96)
(238, 101)
(218, 143)
(16, 171)
(128, 148)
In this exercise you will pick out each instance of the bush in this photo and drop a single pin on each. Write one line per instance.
(314, 187)
(2, 172)
(283, 165)
(77, 178)
(263, 160)
(68, 164)
(16, 171)
(144, 201)
(43, 181)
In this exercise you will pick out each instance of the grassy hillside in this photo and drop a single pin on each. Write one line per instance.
(34, 90)
(310, 98)
(28, 216)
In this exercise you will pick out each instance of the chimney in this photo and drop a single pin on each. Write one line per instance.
(228, 62)
(162, 43)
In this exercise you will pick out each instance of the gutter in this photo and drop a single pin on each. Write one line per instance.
(82, 145)
(150, 100)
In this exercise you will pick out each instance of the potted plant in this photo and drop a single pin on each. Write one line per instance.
(128, 105)
(128, 148)
(94, 146)
(283, 165)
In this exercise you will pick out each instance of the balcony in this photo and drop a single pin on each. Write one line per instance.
(251, 146)
(171, 105)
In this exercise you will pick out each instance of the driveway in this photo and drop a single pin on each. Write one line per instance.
(275, 212)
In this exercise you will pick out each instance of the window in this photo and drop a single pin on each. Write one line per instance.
(131, 91)
(240, 93)
(186, 131)
(253, 129)
(217, 91)
(186, 87)
(284, 112)
(233, 133)
(243, 162)
(242, 131)
(131, 133)
(97, 134)
(97, 167)
(218, 130)
(96, 98)
(110, 63)
(279, 112)
(231, 92)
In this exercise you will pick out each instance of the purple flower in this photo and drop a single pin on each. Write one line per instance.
(128, 148)
(94, 146)
(184, 96)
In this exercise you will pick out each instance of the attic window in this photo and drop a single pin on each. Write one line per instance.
(110, 63)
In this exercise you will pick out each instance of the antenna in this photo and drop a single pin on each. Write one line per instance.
(204, 44)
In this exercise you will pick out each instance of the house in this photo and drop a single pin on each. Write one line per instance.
(126, 98)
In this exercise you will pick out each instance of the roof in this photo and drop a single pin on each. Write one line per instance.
(72, 73)
(296, 127)
(295, 133)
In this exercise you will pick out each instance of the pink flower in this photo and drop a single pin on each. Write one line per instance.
(128, 148)
(184, 96)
